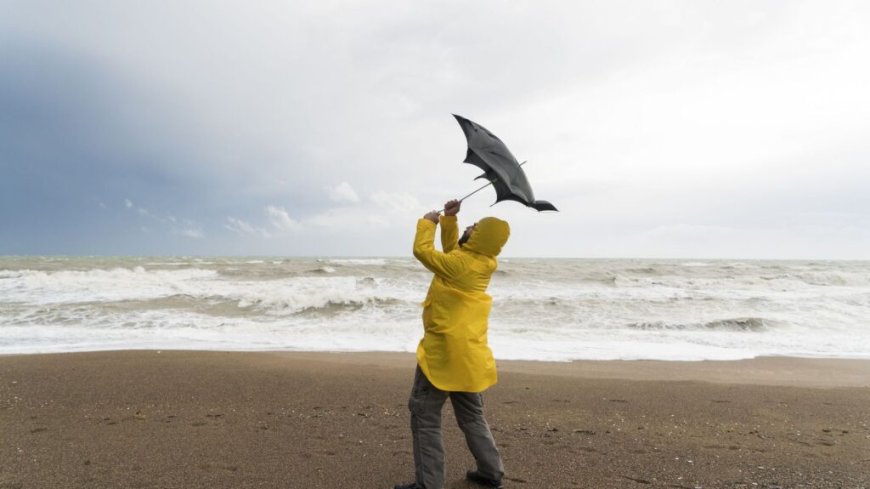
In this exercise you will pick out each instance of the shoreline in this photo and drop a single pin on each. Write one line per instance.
(811, 372)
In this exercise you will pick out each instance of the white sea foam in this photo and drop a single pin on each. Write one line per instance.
(543, 309)
(47, 287)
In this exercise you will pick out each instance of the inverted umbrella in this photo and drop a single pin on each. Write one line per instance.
(487, 152)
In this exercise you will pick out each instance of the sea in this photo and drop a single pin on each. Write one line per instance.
(543, 309)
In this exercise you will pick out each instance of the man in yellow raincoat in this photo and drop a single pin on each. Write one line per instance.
(453, 358)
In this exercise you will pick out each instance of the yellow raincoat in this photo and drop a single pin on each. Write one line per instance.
(454, 354)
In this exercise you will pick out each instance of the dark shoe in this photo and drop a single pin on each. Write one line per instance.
(412, 485)
(474, 476)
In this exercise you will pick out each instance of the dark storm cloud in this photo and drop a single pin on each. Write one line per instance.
(75, 141)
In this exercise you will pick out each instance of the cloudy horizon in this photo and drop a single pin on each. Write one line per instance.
(675, 129)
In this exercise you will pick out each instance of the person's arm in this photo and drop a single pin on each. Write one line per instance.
(449, 226)
(441, 264)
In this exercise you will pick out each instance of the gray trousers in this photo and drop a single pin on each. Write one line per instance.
(425, 405)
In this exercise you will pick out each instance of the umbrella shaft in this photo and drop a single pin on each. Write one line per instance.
(476, 191)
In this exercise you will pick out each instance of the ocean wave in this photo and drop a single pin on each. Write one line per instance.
(740, 324)
(366, 282)
(543, 309)
(743, 324)
(645, 271)
(375, 262)
(815, 279)
(39, 286)
(333, 307)
(842, 279)
(609, 280)
(322, 270)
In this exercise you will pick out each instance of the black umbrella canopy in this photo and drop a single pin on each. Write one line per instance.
(487, 152)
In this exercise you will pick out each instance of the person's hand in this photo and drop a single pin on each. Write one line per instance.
(432, 216)
(451, 208)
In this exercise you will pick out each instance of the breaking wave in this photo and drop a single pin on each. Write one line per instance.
(748, 324)
(332, 308)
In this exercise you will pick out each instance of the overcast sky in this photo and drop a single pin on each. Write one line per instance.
(694, 129)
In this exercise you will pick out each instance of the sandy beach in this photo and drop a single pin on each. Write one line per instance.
(183, 419)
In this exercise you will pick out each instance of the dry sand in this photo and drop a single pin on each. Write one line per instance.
(180, 419)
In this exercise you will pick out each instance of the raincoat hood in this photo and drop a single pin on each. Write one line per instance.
(489, 237)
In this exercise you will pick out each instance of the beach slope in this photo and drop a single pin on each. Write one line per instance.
(182, 419)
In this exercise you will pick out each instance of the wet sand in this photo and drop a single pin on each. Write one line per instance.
(180, 419)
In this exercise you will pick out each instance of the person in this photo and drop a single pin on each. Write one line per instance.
(453, 358)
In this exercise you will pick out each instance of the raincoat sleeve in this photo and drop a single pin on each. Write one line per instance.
(449, 233)
(441, 264)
